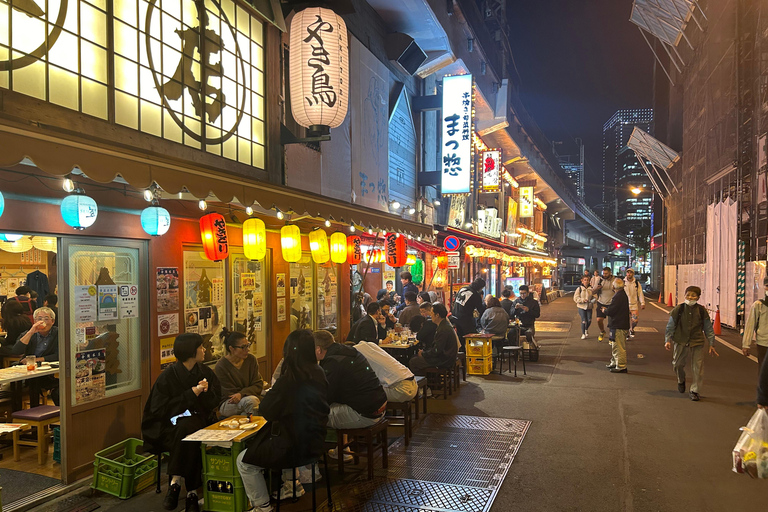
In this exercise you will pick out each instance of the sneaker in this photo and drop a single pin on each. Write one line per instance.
(263, 508)
(618, 370)
(305, 474)
(600, 336)
(583, 336)
(632, 332)
(192, 505)
(286, 491)
(610, 366)
(681, 387)
(334, 454)
(631, 335)
(694, 396)
(171, 500)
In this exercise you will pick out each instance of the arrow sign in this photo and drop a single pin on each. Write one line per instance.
(451, 243)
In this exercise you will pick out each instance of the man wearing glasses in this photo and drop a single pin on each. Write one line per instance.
(41, 341)
(238, 374)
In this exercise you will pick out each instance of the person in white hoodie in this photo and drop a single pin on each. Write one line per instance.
(756, 327)
(634, 291)
(583, 299)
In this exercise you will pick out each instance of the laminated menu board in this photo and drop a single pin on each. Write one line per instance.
(90, 377)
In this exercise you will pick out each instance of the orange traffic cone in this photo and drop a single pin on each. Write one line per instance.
(717, 327)
(661, 297)
(669, 301)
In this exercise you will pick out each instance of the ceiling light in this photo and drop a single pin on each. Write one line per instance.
(436, 202)
(395, 205)
(327, 223)
(202, 204)
(411, 210)
(248, 210)
(279, 214)
(148, 195)
(68, 185)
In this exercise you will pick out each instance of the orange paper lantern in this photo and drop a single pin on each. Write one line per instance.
(442, 261)
(354, 249)
(395, 250)
(213, 232)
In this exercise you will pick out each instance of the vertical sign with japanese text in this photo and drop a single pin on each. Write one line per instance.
(491, 170)
(526, 202)
(457, 134)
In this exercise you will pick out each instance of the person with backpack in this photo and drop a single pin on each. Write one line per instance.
(689, 328)
(757, 327)
(468, 300)
(23, 297)
(634, 291)
(583, 299)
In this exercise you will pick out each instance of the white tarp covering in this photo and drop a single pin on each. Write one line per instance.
(691, 275)
(720, 279)
(670, 282)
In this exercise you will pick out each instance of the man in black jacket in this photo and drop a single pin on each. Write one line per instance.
(507, 303)
(468, 300)
(369, 327)
(618, 312)
(426, 335)
(444, 348)
(41, 341)
(527, 309)
(356, 396)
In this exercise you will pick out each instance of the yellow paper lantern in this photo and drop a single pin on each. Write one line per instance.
(44, 243)
(338, 247)
(411, 259)
(318, 244)
(290, 242)
(21, 245)
(254, 239)
(319, 68)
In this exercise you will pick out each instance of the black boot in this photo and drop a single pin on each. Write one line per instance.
(171, 500)
(192, 505)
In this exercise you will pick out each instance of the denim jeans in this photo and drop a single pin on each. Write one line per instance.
(586, 319)
(253, 481)
(247, 404)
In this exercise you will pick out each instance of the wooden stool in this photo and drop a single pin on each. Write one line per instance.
(461, 357)
(407, 425)
(510, 351)
(378, 430)
(422, 383)
(439, 378)
(36, 417)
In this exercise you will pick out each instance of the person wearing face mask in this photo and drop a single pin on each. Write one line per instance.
(618, 311)
(689, 328)
(634, 291)
(757, 327)
(604, 292)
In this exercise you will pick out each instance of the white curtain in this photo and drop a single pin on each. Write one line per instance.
(709, 295)
(719, 290)
(670, 282)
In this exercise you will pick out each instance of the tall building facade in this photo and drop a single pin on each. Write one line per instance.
(634, 195)
(575, 173)
(616, 132)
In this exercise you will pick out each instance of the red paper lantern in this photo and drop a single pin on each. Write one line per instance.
(213, 232)
(395, 249)
(442, 261)
(354, 249)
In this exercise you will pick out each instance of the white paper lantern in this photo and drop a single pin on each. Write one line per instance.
(44, 243)
(319, 67)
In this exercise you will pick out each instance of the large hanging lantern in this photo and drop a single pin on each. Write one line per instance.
(213, 231)
(354, 249)
(442, 260)
(44, 243)
(417, 272)
(290, 242)
(79, 210)
(319, 69)
(411, 259)
(155, 220)
(338, 247)
(395, 249)
(2, 204)
(254, 239)
(318, 245)
(23, 244)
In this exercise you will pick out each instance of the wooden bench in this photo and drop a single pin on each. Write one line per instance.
(440, 379)
(378, 431)
(404, 419)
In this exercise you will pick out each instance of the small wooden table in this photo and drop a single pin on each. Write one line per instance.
(15, 374)
(402, 352)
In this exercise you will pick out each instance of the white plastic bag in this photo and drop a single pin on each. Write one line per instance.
(750, 455)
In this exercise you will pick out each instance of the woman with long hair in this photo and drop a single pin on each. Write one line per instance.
(238, 373)
(296, 409)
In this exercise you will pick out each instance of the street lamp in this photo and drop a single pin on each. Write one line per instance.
(635, 190)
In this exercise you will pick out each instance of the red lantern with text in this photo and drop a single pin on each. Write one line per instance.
(354, 250)
(213, 231)
(395, 249)
(442, 261)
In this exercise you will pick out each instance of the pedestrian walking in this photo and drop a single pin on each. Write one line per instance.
(689, 328)
(604, 292)
(757, 327)
(634, 291)
(595, 281)
(618, 313)
(584, 299)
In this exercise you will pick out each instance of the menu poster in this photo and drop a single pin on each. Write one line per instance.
(90, 379)
(204, 320)
(107, 302)
(248, 282)
(241, 307)
(217, 290)
(86, 305)
(281, 310)
(168, 324)
(129, 301)
(387, 275)
(191, 320)
(281, 285)
(258, 310)
(167, 288)
(166, 353)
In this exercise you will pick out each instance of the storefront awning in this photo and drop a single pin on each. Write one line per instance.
(58, 156)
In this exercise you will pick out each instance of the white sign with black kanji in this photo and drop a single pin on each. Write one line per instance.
(129, 300)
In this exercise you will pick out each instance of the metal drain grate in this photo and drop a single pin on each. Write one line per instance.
(646, 329)
(553, 326)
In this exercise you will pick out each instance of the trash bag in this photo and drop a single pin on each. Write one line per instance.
(750, 455)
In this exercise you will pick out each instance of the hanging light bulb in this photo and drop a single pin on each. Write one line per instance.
(280, 215)
(436, 202)
(327, 223)
(395, 205)
(352, 228)
(411, 210)
(248, 211)
(370, 230)
(68, 185)
(202, 204)
(149, 195)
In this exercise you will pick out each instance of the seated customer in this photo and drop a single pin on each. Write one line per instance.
(411, 309)
(527, 309)
(495, 319)
(508, 302)
(182, 401)
(397, 380)
(296, 410)
(423, 297)
(369, 328)
(443, 352)
(426, 335)
(15, 323)
(387, 319)
(41, 341)
(357, 399)
(238, 373)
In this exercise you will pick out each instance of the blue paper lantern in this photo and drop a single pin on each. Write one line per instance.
(2, 204)
(155, 220)
(79, 211)
(8, 237)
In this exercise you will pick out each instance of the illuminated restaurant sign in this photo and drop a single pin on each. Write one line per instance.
(491, 170)
(188, 72)
(457, 134)
(526, 202)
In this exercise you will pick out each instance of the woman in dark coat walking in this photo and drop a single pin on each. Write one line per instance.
(296, 409)
(183, 400)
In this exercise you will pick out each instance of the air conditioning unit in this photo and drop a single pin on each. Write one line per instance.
(403, 50)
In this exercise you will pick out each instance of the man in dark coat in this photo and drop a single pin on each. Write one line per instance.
(507, 303)
(356, 396)
(468, 300)
(527, 309)
(411, 309)
(444, 349)
(618, 312)
(407, 280)
(369, 327)
(426, 335)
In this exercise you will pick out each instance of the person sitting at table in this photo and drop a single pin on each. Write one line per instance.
(15, 322)
(411, 309)
(369, 328)
(41, 341)
(508, 302)
(183, 400)
(388, 319)
(495, 319)
(527, 309)
(443, 352)
(238, 373)
(397, 380)
(356, 396)
(425, 334)
(23, 297)
(423, 297)
(296, 409)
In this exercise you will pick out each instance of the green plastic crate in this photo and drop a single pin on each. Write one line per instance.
(232, 497)
(120, 471)
(218, 461)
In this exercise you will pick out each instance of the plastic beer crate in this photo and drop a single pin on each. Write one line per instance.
(120, 471)
(479, 365)
(479, 347)
(224, 494)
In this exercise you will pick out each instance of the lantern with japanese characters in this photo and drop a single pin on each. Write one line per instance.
(354, 249)
(213, 231)
(319, 68)
(395, 250)
(338, 247)
(290, 242)
(254, 239)
(318, 245)
(442, 260)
